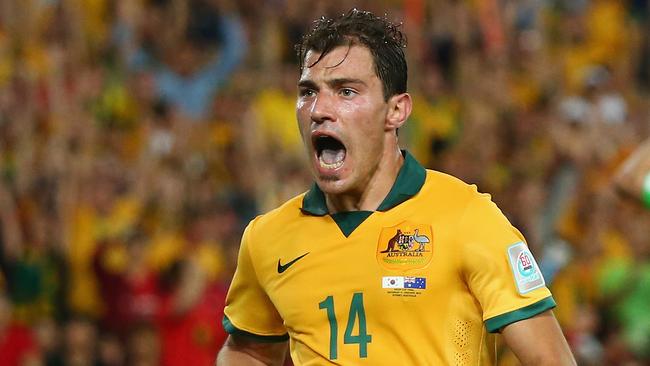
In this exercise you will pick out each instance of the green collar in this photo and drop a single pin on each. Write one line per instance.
(410, 180)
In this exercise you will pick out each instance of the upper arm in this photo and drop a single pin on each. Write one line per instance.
(257, 333)
(231, 53)
(240, 350)
(249, 310)
(538, 341)
(498, 267)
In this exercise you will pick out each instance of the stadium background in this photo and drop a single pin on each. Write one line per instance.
(138, 137)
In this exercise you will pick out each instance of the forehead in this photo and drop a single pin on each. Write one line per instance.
(341, 62)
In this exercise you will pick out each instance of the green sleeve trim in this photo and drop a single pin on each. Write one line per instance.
(495, 324)
(231, 329)
(645, 191)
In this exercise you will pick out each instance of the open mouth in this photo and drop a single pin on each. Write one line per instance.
(329, 151)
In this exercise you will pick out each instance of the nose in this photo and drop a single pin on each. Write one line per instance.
(322, 109)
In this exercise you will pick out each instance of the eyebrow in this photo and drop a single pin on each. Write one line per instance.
(331, 83)
(309, 84)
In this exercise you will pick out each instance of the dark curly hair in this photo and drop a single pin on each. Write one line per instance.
(383, 38)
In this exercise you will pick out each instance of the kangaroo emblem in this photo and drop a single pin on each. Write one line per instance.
(392, 242)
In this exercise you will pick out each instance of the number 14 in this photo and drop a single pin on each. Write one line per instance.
(356, 311)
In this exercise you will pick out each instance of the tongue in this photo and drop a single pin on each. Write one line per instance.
(331, 156)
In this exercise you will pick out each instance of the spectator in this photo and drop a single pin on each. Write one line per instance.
(183, 74)
(538, 102)
(17, 344)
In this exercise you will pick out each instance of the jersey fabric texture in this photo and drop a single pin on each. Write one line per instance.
(424, 280)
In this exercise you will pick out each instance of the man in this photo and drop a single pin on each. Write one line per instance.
(633, 178)
(316, 270)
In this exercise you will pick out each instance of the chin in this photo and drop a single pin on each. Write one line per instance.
(331, 185)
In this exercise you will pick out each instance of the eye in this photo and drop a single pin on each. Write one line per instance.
(306, 92)
(347, 92)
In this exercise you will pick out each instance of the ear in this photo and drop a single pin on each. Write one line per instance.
(399, 110)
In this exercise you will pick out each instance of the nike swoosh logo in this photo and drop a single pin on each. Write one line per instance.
(284, 267)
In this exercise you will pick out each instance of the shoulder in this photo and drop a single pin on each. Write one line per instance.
(435, 176)
(276, 219)
(461, 201)
(272, 232)
(446, 186)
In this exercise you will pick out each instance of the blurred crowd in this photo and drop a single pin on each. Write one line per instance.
(139, 137)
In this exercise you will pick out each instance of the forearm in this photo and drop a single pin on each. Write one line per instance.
(240, 351)
(233, 356)
(560, 359)
(538, 341)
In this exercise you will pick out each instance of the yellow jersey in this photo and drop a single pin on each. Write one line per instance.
(423, 280)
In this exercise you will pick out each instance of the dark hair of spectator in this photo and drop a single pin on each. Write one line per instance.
(383, 38)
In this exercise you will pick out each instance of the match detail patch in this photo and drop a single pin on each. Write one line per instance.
(526, 272)
(404, 282)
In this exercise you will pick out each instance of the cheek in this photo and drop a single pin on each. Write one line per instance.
(302, 118)
(369, 136)
(369, 121)
(300, 105)
(304, 107)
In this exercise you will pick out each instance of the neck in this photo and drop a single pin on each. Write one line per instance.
(375, 189)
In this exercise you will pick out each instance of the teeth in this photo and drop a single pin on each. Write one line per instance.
(325, 165)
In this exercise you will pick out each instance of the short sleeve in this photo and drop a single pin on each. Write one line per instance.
(249, 311)
(499, 269)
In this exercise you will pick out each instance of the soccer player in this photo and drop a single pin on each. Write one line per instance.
(381, 262)
(633, 178)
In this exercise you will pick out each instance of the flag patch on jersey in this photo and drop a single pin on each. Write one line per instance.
(527, 275)
(404, 282)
